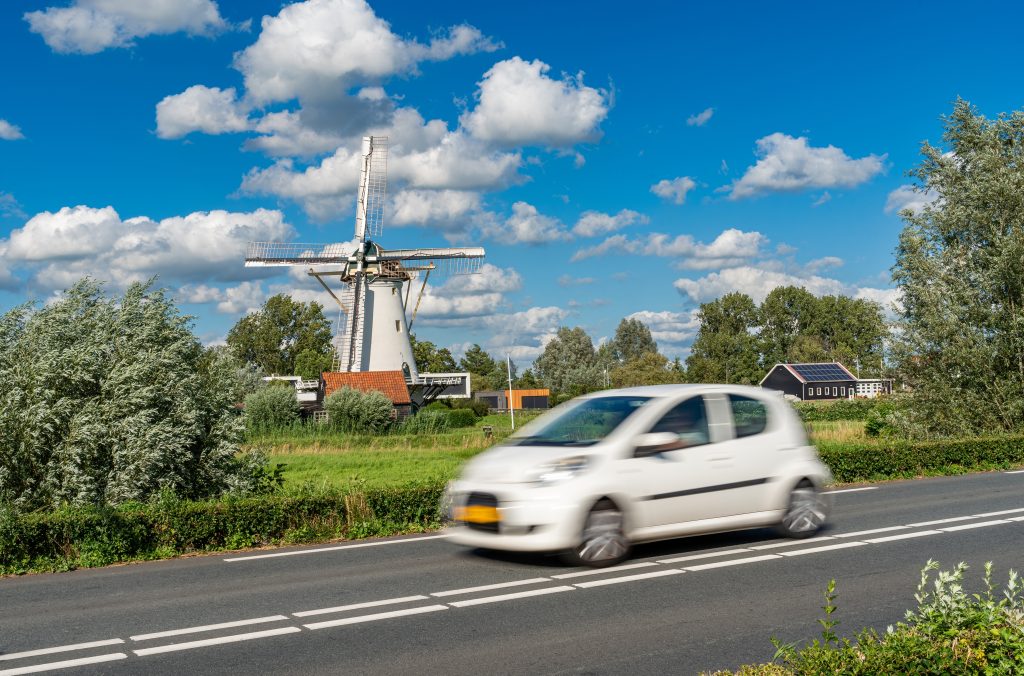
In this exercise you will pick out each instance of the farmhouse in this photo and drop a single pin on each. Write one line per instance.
(391, 383)
(822, 381)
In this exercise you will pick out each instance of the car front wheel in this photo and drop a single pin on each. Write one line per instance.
(603, 542)
(806, 512)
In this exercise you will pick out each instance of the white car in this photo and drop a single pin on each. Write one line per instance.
(604, 471)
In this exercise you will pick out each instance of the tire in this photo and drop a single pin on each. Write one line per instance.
(603, 541)
(806, 512)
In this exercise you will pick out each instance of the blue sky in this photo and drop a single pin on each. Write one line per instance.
(614, 161)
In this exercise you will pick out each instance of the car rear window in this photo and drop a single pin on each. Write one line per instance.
(749, 415)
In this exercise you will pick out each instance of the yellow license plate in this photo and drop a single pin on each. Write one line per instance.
(477, 514)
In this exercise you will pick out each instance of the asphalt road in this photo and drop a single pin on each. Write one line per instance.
(422, 605)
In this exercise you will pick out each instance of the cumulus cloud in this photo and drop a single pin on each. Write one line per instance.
(670, 329)
(824, 263)
(10, 207)
(593, 223)
(320, 46)
(467, 300)
(569, 280)
(450, 210)
(788, 164)
(732, 247)
(910, 198)
(518, 104)
(526, 225)
(9, 132)
(756, 282)
(701, 118)
(232, 300)
(76, 241)
(207, 109)
(675, 189)
(90, 26)
(891, 300)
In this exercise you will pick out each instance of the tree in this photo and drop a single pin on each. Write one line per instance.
(725, 350)
(104, 400)
(487, 373)
(310, 364)
(649, 368)
(960, 269)
(527, 381)
(430, 359)
(632, 339)
(568, 364)
(279, 332)
(787, 313)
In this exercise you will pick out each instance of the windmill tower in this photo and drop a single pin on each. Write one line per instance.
(375, 333)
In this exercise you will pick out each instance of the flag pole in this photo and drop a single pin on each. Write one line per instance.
(511, 408)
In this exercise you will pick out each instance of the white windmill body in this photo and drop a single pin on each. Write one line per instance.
(374, 335)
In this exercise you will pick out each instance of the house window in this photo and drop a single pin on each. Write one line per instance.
(842, 391)
(398, 325)
(819, 391)
(835, 391)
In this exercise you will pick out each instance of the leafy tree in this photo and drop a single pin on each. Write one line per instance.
(430, 359)
(632, 339)
(352, 410)
(649, 368)
(725, 350)
(487, 372)
(279, 332)
(310, 364)
(960, 268)
(568, 364)
(271, 408)
(104, 400)
(787, 313)
(527, 381)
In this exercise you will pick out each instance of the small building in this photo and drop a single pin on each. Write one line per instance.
(390, 383)
(521, 399)
(307, 392)
(812, 382)
(869, 388)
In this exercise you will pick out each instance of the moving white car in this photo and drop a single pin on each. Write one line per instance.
(603, 471)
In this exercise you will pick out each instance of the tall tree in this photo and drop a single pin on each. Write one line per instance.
(487, 373)
(725, 350)
(787, 313)
(632, 339)
(274, 336)
(568, 364)
(960, 268)
(430, 358)
(649, 368)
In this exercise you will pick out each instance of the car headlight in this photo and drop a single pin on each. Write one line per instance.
(559, 470)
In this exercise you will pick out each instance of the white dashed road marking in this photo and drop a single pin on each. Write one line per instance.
(853, 490)
(628, 578)
(826, 548)
(320, 550)
(510, 597)
(61, 649)
(50, 666)
(903, 536)
(488, 587)
(234, 638)
(732, 562)
(376, 616)
(357, 606)
(600, 571)
(209, 627)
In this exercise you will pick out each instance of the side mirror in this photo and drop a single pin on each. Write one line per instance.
(653, 443)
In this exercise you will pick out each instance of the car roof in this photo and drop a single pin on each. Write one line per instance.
(678, 389)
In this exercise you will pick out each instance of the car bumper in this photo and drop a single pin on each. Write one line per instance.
(529, 519)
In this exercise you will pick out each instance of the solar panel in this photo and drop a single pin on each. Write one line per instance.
(820, 372)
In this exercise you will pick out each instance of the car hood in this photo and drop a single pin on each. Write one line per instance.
(515, 464)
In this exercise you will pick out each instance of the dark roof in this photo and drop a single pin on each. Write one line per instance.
(391, 383)
(816, 373)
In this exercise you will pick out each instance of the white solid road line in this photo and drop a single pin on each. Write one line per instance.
(35, 668)
(936, 522)
(854, 490)
(825, 548)
(1000, 512)
(377, 616)
(209, 627)
(870, 531)
(1015, 471)
(234, 638)
(509, 597)
(628, 578)
(733, 562)
(61, 649)
(792, 543)
(980, 524)
(706, 555)
(904, 536)
(488, 587)
(320, 550)
(604, 571)
(357, 606)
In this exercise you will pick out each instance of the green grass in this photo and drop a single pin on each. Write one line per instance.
(836, 430)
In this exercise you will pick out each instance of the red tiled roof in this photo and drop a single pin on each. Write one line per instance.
(391, 383)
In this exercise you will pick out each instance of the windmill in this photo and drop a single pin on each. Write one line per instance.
(375, 333)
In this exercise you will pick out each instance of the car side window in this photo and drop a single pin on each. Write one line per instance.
(749, 416)
(688, 420)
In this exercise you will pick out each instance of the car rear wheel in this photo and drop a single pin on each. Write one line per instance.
(603, 542)
(806, 511)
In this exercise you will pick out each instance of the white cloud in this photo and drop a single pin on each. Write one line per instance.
(243, 298)
(451, 210)
(909, 197)
(669, 329)
(823, 263)
(10, 208)
(891, 300)
(8, 281)
(466, 300)
(825, 197)
(756, 282)
(526, 225)
(788, 164)
(9, 132)
(75, 241)
(90, 26)
(675, 189)
(518, 104)
(321, 46)
(701, 118)
(593, 223)
(569, 280)
(732, 247)
(207, 109)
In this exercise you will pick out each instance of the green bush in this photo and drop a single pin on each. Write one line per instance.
(271, 408)
(461, 417)
(354, 411)
(442, 406)
(479, 408)
(95, 536)
(840, 409)
(894, 458)
(426, 422)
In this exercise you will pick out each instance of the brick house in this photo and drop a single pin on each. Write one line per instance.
(390, 383)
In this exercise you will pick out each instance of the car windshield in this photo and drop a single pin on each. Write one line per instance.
(583, 424)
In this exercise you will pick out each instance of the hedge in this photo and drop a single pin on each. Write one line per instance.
(894, 459)
(94, 536)
(840, 409)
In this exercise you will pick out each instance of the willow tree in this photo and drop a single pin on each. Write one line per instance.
(960, 267)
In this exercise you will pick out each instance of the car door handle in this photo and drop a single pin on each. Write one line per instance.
(720, 458)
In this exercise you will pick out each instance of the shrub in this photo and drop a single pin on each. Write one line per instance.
(840, 409)
(354, 411)
(461, 417)
(271, 408)
(437, 406)
(479, 408)
(426, 422)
